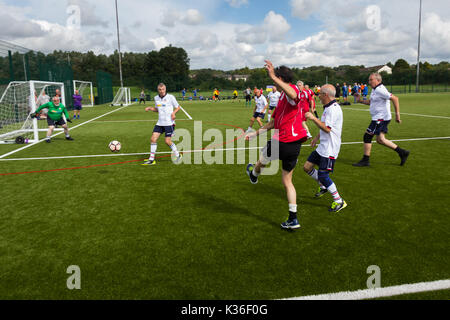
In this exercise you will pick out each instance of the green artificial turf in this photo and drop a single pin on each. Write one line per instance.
(203, 231)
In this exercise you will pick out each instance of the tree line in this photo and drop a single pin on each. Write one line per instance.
(171, 65)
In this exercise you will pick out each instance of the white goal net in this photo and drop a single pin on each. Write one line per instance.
(123, 97)
(85, 90)
(19, 100)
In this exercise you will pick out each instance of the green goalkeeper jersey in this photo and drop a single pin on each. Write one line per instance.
(54, 112)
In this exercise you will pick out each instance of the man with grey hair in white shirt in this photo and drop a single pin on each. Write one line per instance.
(325, 155)
(380, 109)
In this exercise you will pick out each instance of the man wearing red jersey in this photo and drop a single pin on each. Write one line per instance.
(289, 136)
(313, 100)
(305, 104)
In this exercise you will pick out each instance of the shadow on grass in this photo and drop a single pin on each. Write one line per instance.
(220, 205)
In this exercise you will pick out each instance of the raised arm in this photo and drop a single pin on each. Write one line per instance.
(287, 89)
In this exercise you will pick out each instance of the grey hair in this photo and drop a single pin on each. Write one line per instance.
(329, 90)
(161, 85)
(377, 76)
(299, 82)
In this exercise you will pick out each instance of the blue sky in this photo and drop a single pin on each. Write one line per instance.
(229, 34)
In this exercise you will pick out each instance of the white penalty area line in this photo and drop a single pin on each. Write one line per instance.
(380, 292)
(401, 113)
(57, 134)
(195, 151)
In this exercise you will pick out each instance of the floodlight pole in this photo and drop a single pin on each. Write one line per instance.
(418, 48)
(118, 41)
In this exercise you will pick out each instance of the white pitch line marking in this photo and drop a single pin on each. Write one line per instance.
(196, 151)
(380, 292)
(401, 113)
(57, 134)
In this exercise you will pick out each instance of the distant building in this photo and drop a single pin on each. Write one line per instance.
(238, 77)
(386, 69)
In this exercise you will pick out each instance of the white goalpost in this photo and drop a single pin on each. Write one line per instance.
(18, 102)
(85, 90)
(123, 97)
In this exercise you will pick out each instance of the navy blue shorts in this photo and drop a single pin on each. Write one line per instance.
(169, 130)
(258, 115)
(271, 108)
(325, 164)
(345, 95)
(53, 123)
(78, 107)
(376, 127)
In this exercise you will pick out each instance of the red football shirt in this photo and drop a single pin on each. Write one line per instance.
(288, 119)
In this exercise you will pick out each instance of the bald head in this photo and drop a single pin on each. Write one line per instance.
(327, 93)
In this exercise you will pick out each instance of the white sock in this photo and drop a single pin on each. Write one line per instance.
(315, 175)
(293, 208)
(333, 190)
(249, 128)
(256, 174)
(153, 148)
(269, 117)
(174, 149)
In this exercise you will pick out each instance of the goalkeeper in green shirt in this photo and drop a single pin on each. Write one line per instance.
(55, 117)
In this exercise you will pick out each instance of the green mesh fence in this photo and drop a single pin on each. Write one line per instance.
(59, 72)
(104, 88)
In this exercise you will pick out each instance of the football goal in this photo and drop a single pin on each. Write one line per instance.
(19, 100)
(123, 97)
(85, 90)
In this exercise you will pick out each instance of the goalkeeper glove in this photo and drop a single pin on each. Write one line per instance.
(33, 115)
(68, 120)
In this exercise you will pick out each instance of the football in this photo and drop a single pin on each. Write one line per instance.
(115, 146)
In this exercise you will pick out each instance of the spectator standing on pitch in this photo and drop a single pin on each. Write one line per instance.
(77, 105)
(56, 110)
(248, 97)
(325, 155)
(43, 99)
(167, 107)
(365, 91)
(183, 94)
(195, 93)
(380, 109)
(142, 97)
(289, 134)
(345, 92)
(338, 92)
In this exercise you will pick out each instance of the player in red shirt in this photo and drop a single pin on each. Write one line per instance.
(305, 104)
(313, 100)
(288, 137)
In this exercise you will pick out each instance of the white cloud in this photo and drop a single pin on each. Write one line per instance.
(192, 17)
(276, 26)
(237, 3)
(304, 8)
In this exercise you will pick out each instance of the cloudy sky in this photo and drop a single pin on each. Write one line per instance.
(230, 34)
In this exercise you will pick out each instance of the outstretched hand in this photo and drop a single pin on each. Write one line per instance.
(269, 67)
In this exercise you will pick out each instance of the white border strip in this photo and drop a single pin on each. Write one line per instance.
(193, 151)
(380, 292)
(81, 124)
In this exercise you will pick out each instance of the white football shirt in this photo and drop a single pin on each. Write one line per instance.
(274, 97)
(261, 103)
(42, 100)
(165, 105)
(380, 103)
(330, 143)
